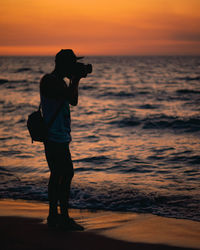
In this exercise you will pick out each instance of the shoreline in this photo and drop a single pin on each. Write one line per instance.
(23, 226)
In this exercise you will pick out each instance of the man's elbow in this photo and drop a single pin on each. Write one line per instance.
(74, 102)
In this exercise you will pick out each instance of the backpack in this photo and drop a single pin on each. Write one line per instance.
(36, 125)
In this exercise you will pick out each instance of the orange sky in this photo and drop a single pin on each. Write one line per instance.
(100, 27)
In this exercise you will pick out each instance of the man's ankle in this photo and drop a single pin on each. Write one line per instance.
(53, 212)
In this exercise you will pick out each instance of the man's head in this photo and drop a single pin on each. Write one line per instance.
(64, 60)
(66, 56)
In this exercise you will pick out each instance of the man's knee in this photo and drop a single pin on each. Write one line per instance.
(66, 176)
(70, 171)
(70, 174)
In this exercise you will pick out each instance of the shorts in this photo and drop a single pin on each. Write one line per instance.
(58, 157)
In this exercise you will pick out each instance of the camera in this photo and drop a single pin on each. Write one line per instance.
(81, 69)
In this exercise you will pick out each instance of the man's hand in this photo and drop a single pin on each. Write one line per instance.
(75, 79)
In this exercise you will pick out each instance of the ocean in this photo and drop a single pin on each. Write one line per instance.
(135, 134)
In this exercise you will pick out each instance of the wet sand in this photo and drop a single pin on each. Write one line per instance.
(23, 226)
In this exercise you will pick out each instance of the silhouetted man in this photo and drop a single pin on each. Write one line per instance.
(56, 93)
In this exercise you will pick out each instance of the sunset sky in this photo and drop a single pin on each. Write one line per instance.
(100, 27)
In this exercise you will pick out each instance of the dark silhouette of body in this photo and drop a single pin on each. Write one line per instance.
(54, 93)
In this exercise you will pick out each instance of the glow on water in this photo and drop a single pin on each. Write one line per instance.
(135, 134)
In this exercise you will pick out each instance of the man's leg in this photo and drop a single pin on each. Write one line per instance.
(64, 193)
(66, 222)
(53, 194)
(53, 188)
(65, 180)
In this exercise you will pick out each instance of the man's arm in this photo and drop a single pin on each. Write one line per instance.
(52, 88)
(73, 90)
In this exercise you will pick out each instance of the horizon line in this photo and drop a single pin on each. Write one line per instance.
(98, 55)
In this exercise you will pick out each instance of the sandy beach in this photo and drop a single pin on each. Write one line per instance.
(23, 226)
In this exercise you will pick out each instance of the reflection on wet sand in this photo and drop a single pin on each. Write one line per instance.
(130, 227)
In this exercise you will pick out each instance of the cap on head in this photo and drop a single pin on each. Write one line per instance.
(66, 56)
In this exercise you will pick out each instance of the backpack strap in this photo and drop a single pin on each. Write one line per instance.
(49, 124)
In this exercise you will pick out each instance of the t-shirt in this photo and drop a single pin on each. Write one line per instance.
(53, 92)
